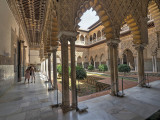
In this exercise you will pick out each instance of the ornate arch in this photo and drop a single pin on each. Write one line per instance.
(154, 10)
(128, 58)
(98, 34)
(96, 58)
(134, 28)
(102, 58)
(81, 38)
(104, 18)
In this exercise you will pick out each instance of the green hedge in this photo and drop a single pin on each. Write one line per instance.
(90, 67)
(80, 73)
(124, 68)
(59, 70)
(103, 68)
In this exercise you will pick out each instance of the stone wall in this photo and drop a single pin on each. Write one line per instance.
(7, 77)
(9, 37)
(34, 57)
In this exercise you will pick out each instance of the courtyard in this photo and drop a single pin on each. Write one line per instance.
(33, 102)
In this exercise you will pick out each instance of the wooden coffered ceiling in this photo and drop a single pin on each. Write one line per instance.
(33, 14)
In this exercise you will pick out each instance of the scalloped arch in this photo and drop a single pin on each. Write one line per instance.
(100, 12)
(131, 22)
(155, 13)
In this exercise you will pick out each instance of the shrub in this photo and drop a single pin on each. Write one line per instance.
(124, 68)
(103, 67)
(59, 70)
(90, 67)
(80, 73)
(69, 70)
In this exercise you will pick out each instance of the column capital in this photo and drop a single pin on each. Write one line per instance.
(154, 53)
(72, 39)
(158, 31)
(22, 41)
(113, 42)
(49, 54)
(67, 33)
(139, 47)
(55, 50)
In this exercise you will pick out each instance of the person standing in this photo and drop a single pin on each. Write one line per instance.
(27, 75)
(32, 74)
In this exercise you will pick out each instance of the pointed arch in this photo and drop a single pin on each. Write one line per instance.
(128, 58)
(104, 18)
(79, 61)
(96, 58)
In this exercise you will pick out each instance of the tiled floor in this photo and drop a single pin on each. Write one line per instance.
(32, 102)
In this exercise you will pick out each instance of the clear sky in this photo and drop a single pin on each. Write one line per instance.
(88, 19)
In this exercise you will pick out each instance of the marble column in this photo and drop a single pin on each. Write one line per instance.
(110, 46)
(101, 35)
(19, 60)
(155, 58)
(154, 63)
(158, 38)
(122, 60)
(65, 72)
(24, 58)
(55, 69)
(141, 80)
(49, 68)
(135, 63)
(113, 61)
(73, 72)
(44, 67)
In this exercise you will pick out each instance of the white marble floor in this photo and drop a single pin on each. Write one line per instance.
(32, 102)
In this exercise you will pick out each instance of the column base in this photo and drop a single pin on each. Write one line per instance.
(145, 86)
(66, 108)
(74, 106)
(113, 94)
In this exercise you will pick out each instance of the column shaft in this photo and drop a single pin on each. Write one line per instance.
(141, 80)
(115, 54)
(49, 68)
(155, 58)
(73, 73)
(153, 63)
(111, 69)
(135, 63)
(55, 69)
(23, 59)
(65, 73)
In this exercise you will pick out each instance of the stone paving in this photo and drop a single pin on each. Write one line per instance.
(32, 102)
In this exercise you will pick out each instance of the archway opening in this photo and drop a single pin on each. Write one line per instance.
(99, 35)
(96, 62)
(91, 61)
(128, 58)
(79, 61)
(102, 59)
(154, 13)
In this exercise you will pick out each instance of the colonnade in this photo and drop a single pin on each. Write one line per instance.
(113, 61)
(64, 39)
